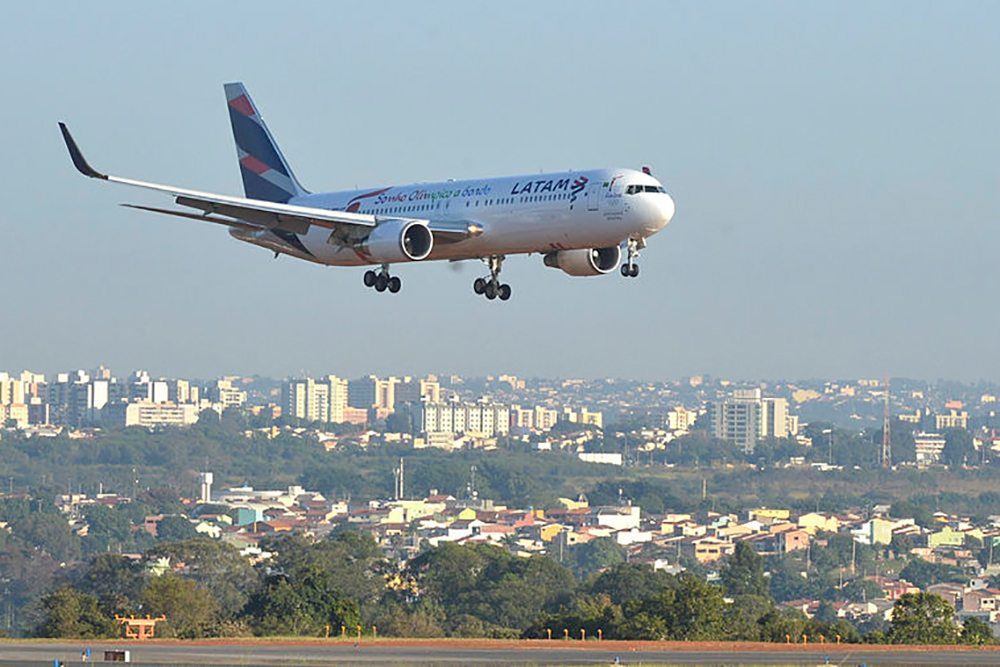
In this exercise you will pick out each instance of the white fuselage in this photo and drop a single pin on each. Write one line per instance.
(520, 214)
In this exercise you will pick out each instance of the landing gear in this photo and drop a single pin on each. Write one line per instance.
(382, 281)
(630, 269)
(492, 288)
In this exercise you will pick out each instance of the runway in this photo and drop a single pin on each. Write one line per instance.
(448, 652)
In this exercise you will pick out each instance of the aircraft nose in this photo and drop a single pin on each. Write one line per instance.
(667, 208)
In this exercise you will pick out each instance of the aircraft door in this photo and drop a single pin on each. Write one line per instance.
(594, 196)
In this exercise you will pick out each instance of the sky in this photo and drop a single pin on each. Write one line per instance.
(834, 167)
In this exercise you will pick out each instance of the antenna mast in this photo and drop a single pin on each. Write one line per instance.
(886, 449)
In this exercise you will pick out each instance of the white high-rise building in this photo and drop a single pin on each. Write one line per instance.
(371, 392)
(338, 398)
(315, 400)
(774, 419)
(306, 399)
(747, 417)
(737, 419)
(484, 417)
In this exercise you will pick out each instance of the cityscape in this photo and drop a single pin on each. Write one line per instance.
(537, 333)
(645, 472)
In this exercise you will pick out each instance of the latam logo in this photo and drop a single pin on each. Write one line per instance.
(550, 185)
(354, 205)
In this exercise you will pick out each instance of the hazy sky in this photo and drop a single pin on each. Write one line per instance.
(834, 165)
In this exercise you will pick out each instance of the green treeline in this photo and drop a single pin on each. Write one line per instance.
(307, 588)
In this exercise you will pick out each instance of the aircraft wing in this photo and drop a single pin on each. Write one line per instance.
(254, 213)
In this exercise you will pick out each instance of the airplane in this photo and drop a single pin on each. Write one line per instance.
(579, 221)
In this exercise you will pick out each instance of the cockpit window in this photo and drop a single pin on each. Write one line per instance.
(636, 189)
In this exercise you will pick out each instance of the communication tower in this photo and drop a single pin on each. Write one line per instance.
(886, 448)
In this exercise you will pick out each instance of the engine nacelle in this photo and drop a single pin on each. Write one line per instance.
(585, 262)
(399, 241)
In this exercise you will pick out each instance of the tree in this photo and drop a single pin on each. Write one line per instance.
(779, 626)
(977, 632)
(190, 609)
(312, 584)
(697, 612)
(69, 614)
(901, 544)
(923, 618)
(862, 590)
(743, 573)
(922, 573)
(630, 581)
(173, 528)
(215, 566)
(302, 605)
(598, 554)
(825, 613)
(50, 533)
(116, 581)
(742, 617)
(958, 448)
(787, 581)
(395, 619)
(399, 422)
(25, 576)
(920, 513)
(505, 592)
(106, 528)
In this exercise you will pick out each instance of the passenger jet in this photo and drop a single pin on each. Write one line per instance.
(580, 221)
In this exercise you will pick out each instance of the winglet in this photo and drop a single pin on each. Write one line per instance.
(78, 160)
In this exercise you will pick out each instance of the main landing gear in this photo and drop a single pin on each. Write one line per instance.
(382, 281)
(630, 269)
(492, 288)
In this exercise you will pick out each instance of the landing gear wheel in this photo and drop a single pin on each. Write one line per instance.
(479, 286)
(395, 284)
(491, 290)
(630, 269)
(381, 282)
(504, 292)
(369, 278)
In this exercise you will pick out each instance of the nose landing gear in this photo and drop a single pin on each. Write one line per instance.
(382, 281)
(630, 269)
(492, 288)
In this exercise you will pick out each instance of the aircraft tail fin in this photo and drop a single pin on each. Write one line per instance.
(266, 174)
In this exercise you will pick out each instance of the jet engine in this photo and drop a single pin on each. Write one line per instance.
(586, 261)
(399, 241)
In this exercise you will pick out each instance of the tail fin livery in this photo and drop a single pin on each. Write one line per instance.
(265, 173)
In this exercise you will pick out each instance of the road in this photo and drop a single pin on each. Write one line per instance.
(481, 653)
